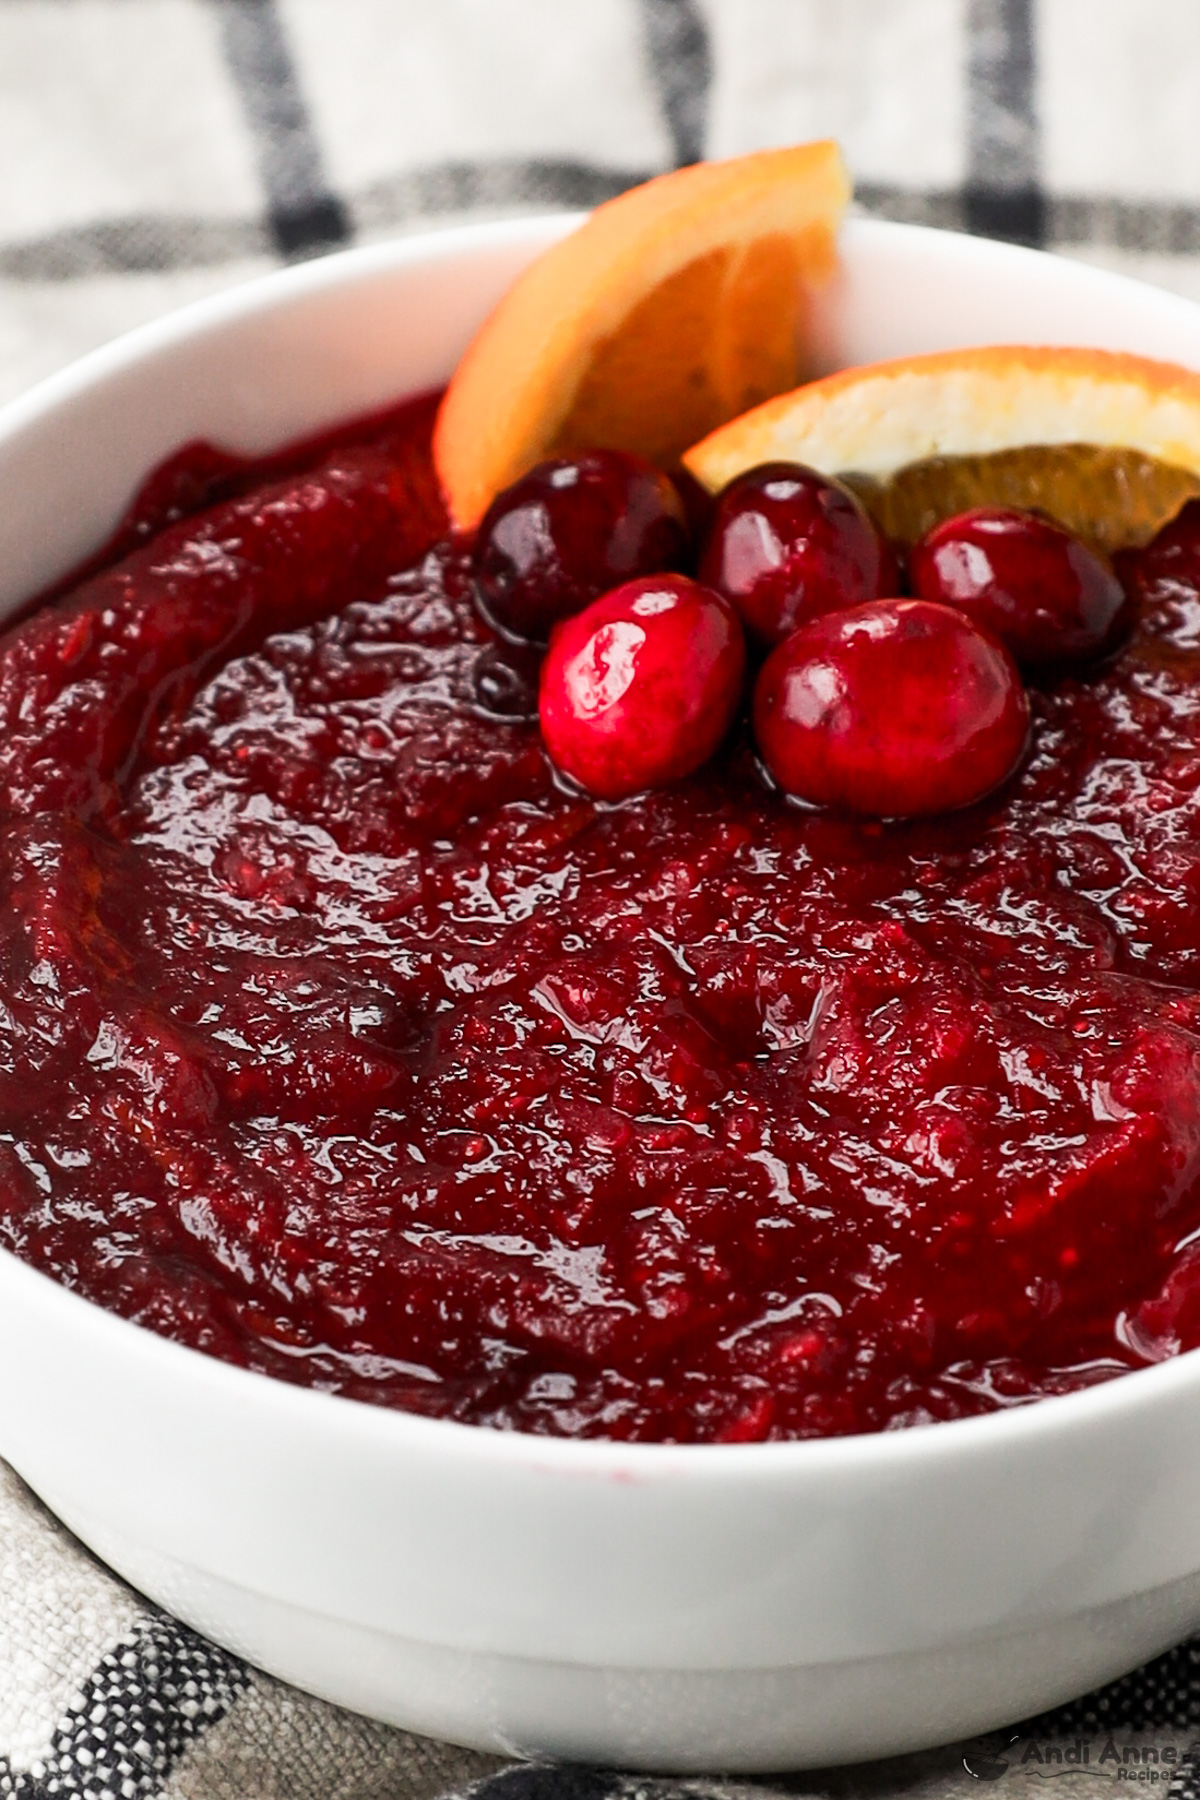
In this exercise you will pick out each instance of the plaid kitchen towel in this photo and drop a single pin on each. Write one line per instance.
(153, 150)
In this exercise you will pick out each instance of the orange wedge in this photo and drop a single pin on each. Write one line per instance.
(672, 308)
(984, 405)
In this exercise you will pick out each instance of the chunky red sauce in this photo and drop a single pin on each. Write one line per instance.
(336, 1040)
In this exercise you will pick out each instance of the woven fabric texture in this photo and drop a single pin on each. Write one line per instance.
(155, 150)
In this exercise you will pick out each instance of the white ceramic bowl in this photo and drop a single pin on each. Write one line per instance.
(748, 1607)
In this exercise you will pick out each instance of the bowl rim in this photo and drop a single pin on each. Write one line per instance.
(261, 294)
(1099, 1406)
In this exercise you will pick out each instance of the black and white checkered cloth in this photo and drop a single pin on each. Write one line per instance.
(154, 150)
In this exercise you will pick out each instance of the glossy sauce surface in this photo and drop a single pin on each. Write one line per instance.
(339, 1041)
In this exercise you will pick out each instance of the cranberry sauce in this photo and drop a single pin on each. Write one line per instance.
(340, 1041)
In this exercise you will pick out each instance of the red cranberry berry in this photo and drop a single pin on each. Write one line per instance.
(787, 544)
(572, 528)
(640, 687)
(897, 708)
(1046, 595)
(1163, 579)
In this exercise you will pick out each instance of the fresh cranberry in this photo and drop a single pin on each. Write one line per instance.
(1163, 579)
(572, 528)
(897, 708)
(787, 544)
(640, 687)
(1050, 598)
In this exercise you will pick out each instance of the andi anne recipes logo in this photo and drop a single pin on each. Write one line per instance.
(1138, 1758)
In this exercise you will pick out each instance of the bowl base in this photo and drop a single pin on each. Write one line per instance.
(662, 1720)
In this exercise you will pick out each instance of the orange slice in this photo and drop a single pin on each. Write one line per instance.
(670, 309)
(964, 426)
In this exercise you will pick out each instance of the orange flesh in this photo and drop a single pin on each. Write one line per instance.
(1112, 498)
(739, 312)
